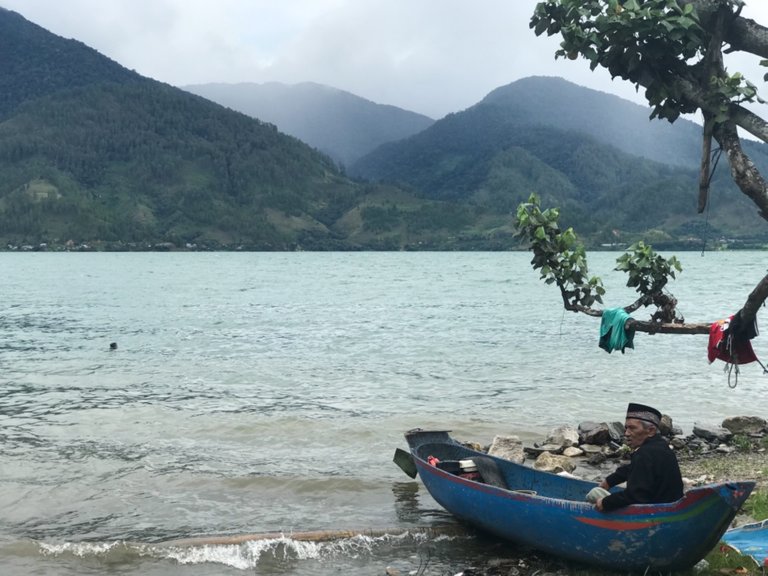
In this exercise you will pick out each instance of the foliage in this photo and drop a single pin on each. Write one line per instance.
(624, 36)
(558, 254)
(742, 443)
(561, 259)
(648, 273)
(756, 505)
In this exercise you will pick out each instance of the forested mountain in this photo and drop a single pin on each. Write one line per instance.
(344, 126)
(616, 174)
(92, 153)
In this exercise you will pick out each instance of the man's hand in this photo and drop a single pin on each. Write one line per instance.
(599, 505)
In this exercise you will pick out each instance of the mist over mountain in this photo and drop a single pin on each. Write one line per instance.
(344, 126)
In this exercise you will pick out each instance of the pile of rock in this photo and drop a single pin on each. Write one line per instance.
(591, 449)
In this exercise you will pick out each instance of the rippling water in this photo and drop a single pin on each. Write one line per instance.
(256, 393)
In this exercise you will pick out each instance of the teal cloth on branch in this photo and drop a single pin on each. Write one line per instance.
(613, 336)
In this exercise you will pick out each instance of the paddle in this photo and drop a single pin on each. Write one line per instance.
(405, 461)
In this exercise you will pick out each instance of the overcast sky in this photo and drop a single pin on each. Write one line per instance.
(429, 56)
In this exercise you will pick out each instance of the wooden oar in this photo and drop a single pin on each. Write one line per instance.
(311, 536)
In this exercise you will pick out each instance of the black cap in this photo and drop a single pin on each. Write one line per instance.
(645, 413)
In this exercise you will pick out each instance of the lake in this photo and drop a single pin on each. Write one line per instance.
(267, 392)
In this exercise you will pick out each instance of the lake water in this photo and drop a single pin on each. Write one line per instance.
(266, 392)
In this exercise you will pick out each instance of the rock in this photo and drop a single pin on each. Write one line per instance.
(745, 425)
(540, 449)
(594, 433)
(592, 449)
(573, 452)
(564, 436)
(508, 447)
(596, 459)
(666, 425)
(391, 571)
(678, 442)
(548, 462)
(616, 429)
(724, 449)
(711, 432)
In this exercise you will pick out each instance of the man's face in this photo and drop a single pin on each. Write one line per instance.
(635, 433)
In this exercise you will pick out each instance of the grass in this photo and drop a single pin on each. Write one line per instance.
(756, 505)
(724, 560)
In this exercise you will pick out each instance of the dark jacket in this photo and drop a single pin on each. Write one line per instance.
(652, 477)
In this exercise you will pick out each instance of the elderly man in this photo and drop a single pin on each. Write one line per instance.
(653, 475)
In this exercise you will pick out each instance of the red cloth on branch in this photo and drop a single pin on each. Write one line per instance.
(724, 346)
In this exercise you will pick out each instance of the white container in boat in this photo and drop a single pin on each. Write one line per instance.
(467, 466)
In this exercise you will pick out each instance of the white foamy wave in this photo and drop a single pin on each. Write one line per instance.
(244, 556)
(81, 549)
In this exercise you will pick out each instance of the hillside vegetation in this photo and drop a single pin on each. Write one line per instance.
(92, 154)
(617, 175)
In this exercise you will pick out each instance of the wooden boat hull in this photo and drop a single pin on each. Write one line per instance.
(548, 512)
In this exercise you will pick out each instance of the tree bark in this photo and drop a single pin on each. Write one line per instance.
(742, 34)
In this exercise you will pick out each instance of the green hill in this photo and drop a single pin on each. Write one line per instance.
(617, 175)
(92, 153)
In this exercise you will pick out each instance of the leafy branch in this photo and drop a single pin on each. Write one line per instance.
(651, 43)
(561, 259)
(559, 256)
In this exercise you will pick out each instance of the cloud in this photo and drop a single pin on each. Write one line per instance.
(431, 56)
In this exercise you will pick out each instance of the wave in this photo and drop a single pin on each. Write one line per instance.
(244, 554)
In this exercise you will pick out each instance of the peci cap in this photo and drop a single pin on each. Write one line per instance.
(645, 413)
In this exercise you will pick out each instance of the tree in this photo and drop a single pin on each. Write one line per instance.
(673, 49)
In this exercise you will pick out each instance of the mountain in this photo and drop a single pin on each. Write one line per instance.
(344, 126)
(616, 174)
(94, 154)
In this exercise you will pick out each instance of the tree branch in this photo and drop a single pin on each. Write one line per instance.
(743, 34)
(754, 301)
(743, 171)
(654, 328)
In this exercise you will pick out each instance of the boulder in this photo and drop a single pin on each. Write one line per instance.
(616, 430)
(564, 436)
(666, 428)
(573, 452)
(594, 433)
(552, 463)
(745, 425)
(508, 447)
(678, 442)
(711, 432)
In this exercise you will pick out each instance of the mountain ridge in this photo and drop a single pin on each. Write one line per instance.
(93, 153)
(602, 184)
(336, 122)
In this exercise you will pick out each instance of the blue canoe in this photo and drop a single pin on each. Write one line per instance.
(549, 513)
